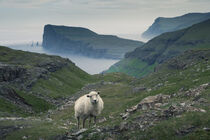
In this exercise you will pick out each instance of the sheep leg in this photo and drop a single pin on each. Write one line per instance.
(90, 121)
(83, 125)
(94, 120)
(78, 122)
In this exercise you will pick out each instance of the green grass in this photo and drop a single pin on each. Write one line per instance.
(132, 67)
(35, 129)
(118, 95)
(62, 83)
(37, 104)
(9, 109)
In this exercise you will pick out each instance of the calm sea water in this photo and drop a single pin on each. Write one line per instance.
(90, 65)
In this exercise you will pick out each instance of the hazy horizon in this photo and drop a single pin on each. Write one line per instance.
(98, 65)
(23, 20)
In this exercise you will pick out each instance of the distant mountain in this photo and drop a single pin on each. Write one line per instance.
(144, 59)
(162, 25)
(82, 41)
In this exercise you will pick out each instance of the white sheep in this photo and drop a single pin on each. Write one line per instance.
(89, 105)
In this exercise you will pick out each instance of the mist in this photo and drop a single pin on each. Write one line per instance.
(89, 65)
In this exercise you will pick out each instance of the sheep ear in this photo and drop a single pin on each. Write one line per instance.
(88, 95)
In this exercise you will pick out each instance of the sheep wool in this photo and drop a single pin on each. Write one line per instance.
(87, 106)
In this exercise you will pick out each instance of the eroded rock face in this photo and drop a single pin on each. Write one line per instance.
(10, 72)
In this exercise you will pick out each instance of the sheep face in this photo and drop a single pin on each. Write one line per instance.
(93, 95)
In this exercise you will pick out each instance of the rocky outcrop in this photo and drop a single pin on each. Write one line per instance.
(146, 103)
(10, 72)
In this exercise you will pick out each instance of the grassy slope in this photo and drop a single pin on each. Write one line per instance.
(172, 81)
(60, 84)
(162, 48)
(120, 96)
(133, 67)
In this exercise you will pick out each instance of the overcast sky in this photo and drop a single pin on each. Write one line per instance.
(24, 19)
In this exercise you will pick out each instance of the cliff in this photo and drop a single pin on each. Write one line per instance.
(163, 25)
(82, 41)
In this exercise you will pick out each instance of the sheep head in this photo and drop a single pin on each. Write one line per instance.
(93, 95)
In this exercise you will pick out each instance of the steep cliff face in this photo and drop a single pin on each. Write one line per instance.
(162, 25)
(82, 41)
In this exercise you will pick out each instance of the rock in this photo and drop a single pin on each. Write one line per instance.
(80, 137)
(206, 129)
(111, 117)
(148, 90)
(123, 126)
(101, 120)
(109, 138)
(147, 103)
(157, 98)
(182, 104)
(10, 72)
(79, 132)
(138, 89)
(196, 91)
(92, 134)
(125, 115)
(202, 110)
(132, 109)
(186, 130)
(158, 105)
(24, 137)
(202, 100)
(150, 101)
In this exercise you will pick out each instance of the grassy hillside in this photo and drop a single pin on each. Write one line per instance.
(163, 25)
(34, 83)
(83, 41)
(162, 48)
(184, 115)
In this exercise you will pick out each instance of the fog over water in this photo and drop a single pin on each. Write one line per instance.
(90, 65)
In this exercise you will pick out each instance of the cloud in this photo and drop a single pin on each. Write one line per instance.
(103, 16)
(25, 3)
